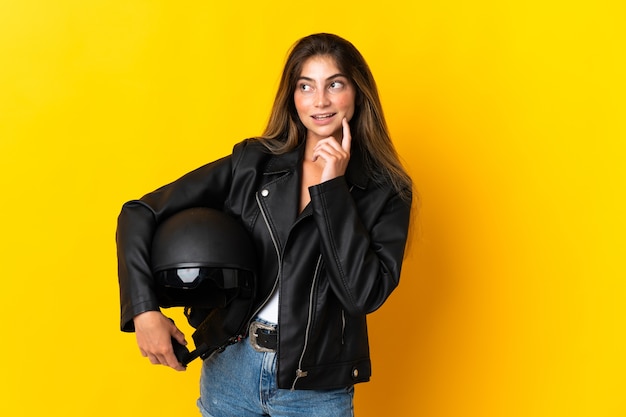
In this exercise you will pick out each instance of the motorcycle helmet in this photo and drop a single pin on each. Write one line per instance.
(204, 260)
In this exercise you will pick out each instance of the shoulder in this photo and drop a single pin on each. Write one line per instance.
(251, 145)
(250, 152)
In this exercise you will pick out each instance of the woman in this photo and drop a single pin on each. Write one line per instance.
(327, 204)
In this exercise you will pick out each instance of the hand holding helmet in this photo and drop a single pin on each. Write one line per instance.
(203, 260)
(155, 335)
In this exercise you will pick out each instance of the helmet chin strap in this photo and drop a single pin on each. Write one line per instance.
(184, 356)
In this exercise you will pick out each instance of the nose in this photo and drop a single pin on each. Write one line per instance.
(321, 98)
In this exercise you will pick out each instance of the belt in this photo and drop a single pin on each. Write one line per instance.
(263, 337)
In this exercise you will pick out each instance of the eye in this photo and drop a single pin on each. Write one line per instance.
(305, 88)
(336, 85)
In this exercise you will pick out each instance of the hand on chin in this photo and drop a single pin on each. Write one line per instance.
(326, 132)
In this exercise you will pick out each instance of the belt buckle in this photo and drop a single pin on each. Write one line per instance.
(254, 326)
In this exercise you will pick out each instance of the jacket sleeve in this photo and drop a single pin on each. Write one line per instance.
(363, 263)
(207, 186)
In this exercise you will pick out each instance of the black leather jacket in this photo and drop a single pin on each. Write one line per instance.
(335, 262)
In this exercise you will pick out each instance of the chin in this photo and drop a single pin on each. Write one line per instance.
(336, 132)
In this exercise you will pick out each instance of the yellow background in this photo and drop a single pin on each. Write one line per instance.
(509, 115)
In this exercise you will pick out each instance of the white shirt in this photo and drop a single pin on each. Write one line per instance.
(269, 312)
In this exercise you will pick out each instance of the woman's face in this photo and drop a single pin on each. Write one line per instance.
(323, 97)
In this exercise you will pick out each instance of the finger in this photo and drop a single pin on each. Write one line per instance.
(330, 154)
(329, 146)
(165, 356)
(180, 337)
(154, 360)
(171, 361)
(327, 155)
(346, 142)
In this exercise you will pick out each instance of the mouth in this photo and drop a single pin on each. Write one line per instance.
(323, 116)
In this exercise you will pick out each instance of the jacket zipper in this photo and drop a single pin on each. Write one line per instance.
(280, 262)
(343, 325)
(299, 372)
(343, 311)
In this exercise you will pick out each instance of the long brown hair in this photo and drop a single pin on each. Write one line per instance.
(285, 131)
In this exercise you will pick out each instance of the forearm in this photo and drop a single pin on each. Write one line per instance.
(363, 261)
(137, 222)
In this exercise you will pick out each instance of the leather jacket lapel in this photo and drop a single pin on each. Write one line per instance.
(280, 191)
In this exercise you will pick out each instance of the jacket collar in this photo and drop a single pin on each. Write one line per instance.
(290, 161)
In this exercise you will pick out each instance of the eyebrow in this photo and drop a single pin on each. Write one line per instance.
(327, 79)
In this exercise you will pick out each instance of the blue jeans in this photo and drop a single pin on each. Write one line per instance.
(241, 382)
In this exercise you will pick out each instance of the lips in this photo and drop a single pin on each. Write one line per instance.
(323, 116)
